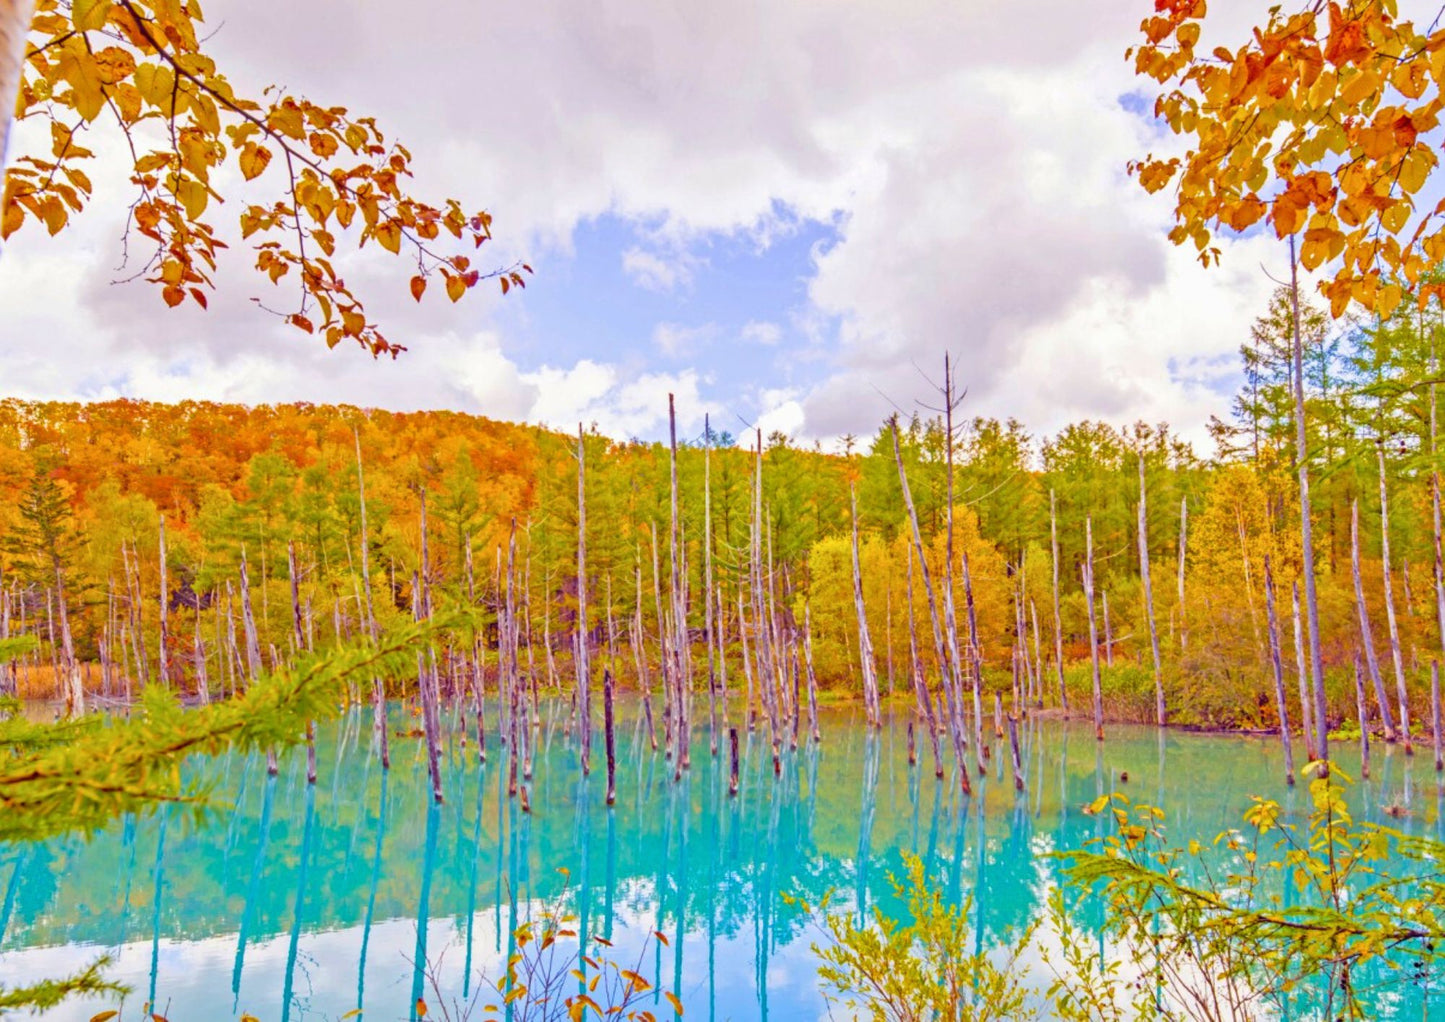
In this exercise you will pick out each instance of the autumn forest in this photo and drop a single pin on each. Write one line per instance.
(323, 708)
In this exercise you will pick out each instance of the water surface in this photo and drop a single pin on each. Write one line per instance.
(299, 902)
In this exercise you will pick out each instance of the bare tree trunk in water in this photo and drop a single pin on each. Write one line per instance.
(583, 685)
(1367, 638)
(1093, 627)
(1149, 597)
(1312, 606)
(1058, 621)
(1278, 663)
(1394, 628)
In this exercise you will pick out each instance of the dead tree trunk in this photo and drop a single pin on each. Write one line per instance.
(1058, 619)
(426, 672)
(865, 642)
(164, 640)
(378, 693)
(1093, 629)
(583, 674)
(1392, 625)
(1302, 674)
(1272, 620)
(1306, 529)
(708, 620)
(1367, 639)
(1159, 713)
(1183, 547)
(955, 724)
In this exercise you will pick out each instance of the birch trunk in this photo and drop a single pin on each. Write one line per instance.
(1391, 624)
(378, 694)
(955, 725)
(583, 674)
(1183, 547)
(1149, 598)
(1303, 676)
(865, 642)
(1058, 619)
(1093, 628)
(1312, 612)
(164, 641)
(1367, 639)
(1272, 620)
(14, 27)
(708, 620)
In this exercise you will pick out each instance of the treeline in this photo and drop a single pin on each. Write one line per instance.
(105, 506)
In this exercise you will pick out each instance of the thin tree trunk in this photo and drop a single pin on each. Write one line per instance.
(298, 640)
(1272, 619)
(679, 604)
(1108, 632)
(1391, 624)
(1306, 528)
(164, 641)
(1093, 629)
(1303, 676)
(74, 687)
(1364, 718)
(1013, 742)
(920, 684)
(607, 737)
(426, 672)
(1058, 619)
(708, 620)
(812, 679)
(1367, 639)
(865, 642)
(1159, 713)
(1183, 547)
(583, 674)
(950, 615)
(1435, 714)
(378, 693)
(955, 726)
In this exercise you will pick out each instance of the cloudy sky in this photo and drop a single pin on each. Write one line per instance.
(777, 209)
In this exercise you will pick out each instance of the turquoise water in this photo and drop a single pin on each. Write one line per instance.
(294, 902)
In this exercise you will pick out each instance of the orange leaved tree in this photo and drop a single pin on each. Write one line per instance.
(141, 65)
(1323, 124)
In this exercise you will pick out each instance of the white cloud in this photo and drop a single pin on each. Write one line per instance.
(675, 340)
(595, 394)
(761, 332)
(975, 175)
(654, 272)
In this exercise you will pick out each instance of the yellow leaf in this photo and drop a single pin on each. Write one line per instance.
(104, 1016)
(11, 219)
(254, 159)
(89, 14)
(418, 287)
(388, 235)
(353, 1013)
(54, 214)
(672, 1000)
(193, 196)
(156, 85)
(78, 68)
(420, 1008)
(287, 120)
(114, 64)
(456, 287)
